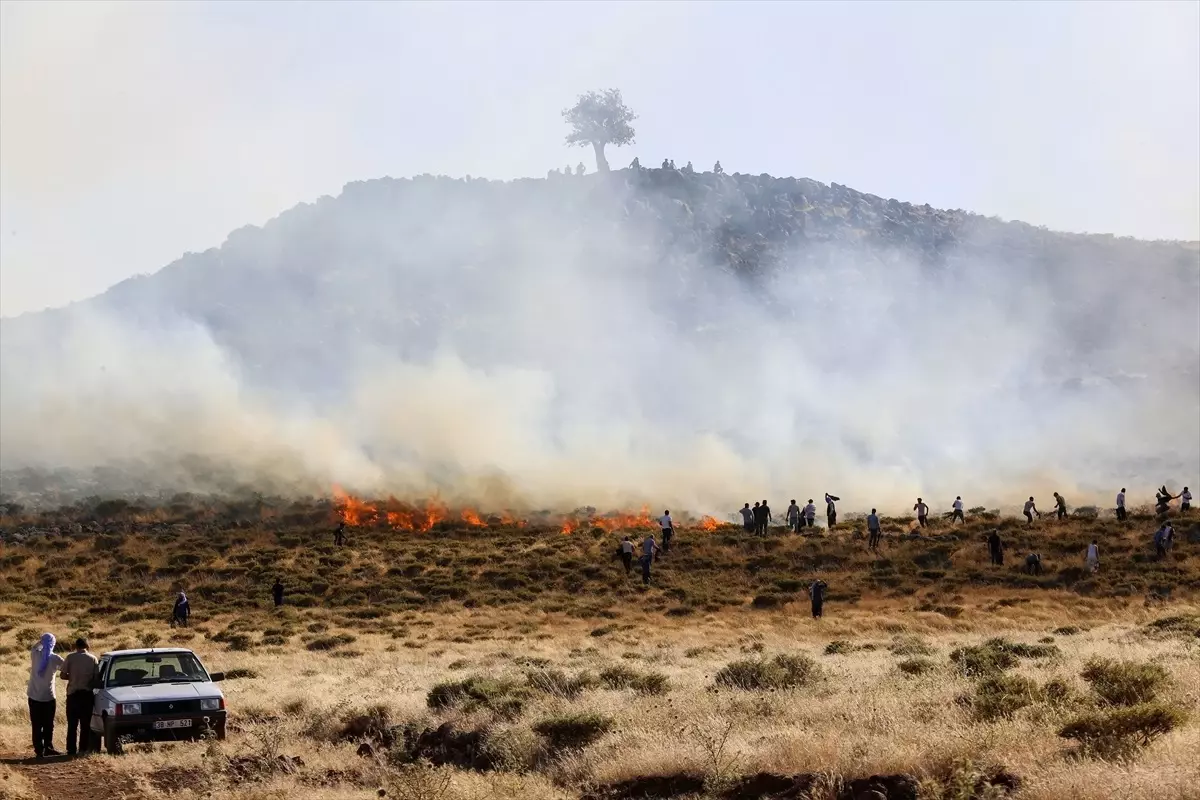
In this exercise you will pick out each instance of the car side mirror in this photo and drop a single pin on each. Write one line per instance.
(216, 677)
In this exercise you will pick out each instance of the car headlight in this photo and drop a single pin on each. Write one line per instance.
(211, 704)
(131, 709)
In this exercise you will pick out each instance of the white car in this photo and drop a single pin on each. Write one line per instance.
(153, 695)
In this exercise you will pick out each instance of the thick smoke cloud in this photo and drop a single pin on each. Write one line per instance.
(576, 341)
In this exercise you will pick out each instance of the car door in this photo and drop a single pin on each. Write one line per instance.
(98, 697)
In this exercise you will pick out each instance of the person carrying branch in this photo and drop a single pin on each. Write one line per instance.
(958, 511)
(873, 532)
(1030, 510)
(831, 509)
(1061, 506)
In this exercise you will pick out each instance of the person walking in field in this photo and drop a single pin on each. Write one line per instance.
(817, 592)
(277, 593)
(996, 548)
(1093, 557)
(831, 509)
(1030, 510)
(958, 511)
(1121, 516)
(873, 533)
(339, 534)
(44, 664)
(649, 551)
(810, 513)
(793, 517)
(181, 611)
(1162, 539)
(626, 550)
(78, 670)
(668, 530)
(1061, 503)
(1186, 496)
(922, 512)
(748, 518)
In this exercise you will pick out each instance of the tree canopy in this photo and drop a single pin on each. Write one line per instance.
(599, 119)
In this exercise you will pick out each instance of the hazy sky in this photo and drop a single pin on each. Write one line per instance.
(131, 133)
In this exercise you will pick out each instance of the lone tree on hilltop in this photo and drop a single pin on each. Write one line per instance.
(600, 118)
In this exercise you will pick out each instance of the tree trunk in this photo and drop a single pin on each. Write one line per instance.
(601, 161)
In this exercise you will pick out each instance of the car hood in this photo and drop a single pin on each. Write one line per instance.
(163, 691)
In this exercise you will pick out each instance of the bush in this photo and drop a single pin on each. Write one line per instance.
(909, 646)
(1124, 683)
(982, 661)
(572, 731)
(1067, 630)
(1119, 733)
(331, 642)
(916, 666)
(1022, 650)
(558, 683)
(474, 692)
(1002, 696)
(781, 672)
(622, 677)
(239, 672)
(838, 647)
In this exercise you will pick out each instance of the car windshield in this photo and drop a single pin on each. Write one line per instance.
(143, 668)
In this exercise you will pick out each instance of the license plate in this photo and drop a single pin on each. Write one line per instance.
(172, 723)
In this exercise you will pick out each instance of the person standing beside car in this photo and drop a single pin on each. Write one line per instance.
(79, 670)
(43, 664)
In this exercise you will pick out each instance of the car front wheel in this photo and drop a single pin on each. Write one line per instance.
(112, 742)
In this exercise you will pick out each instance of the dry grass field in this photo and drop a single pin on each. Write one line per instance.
(506, 661)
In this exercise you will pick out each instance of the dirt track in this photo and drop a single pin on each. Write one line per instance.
(63, 778)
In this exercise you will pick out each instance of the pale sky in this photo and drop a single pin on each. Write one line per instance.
(132, 133)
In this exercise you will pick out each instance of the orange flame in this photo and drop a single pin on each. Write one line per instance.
(568, 526)
(708, 523)
(508, 518)
(352, 510)
(471, 517)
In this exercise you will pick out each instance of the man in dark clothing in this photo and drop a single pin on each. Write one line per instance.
(1121, 515)
(339, 536)
(1033, 564)
(649, 551)
(748, 518)
(760, 519)
(181, 611)
(996, 548)
(831, 509)
(277, 593)
(1061, 502)
(766, 518)
(817, 592)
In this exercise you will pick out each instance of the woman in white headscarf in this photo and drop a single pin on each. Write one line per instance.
(44, 664)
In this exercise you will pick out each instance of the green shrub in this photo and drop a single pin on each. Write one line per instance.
(1057, 692)
(474, 692)
(572, 731)
(558, 683)
(622, 677)
(781, 672)
(916, 666)
(982, 661)
(1021, 650)
(1120, 732)
(1002, 696)
(1124, 683)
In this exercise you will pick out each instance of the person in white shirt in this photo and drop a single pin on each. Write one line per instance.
(649, 551)
(1030, 510)
(793, 517)
(873, 533)
(922, 511)
(44, 664)
(1093, 556)
(1186, 496)
(748, 518)
(810, 513)
(958, 511)
(627, 553)
(1121, 504)
(668, 530)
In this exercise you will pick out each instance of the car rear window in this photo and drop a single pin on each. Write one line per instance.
(155, 668)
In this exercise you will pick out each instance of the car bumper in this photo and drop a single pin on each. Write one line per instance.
(143, 728)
